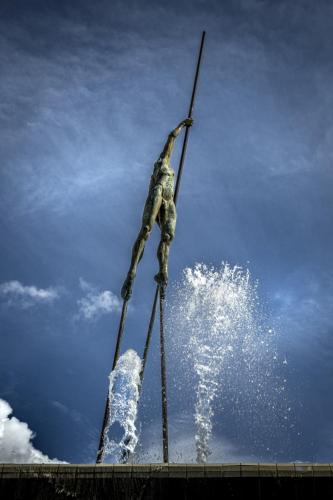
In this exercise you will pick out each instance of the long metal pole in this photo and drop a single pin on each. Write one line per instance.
(100, 452)
(179, 174)
(102, 438)
(162, 288)
(153, 312)
(149, 334)
(125, 454)
(165, 438)
(190, 111)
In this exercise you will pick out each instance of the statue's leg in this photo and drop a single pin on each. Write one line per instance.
(168, 226)
(152, 207)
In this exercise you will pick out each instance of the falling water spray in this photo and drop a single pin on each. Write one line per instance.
(217, 324)
(124, 393)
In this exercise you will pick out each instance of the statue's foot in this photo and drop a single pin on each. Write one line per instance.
(161, 278)
(126, 290)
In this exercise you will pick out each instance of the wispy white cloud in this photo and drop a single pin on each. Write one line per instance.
(73, 414)
(14, 292)
(16, 440)
(78, 97)
(96, 303)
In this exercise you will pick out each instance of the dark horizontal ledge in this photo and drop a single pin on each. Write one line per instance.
(181, 471)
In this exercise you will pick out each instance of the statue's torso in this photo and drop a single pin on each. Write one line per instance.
(164, 176)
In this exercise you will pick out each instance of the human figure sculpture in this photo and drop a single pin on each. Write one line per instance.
(160, 208)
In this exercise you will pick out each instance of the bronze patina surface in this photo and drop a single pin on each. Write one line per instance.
(159, 208)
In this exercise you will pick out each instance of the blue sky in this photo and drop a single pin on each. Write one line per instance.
(89, 92)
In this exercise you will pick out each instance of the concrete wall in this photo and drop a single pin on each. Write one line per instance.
(167, 481)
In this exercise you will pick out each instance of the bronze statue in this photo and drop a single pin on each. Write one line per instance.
(161, 208)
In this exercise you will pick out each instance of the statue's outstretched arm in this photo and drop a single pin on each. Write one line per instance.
(166, 153)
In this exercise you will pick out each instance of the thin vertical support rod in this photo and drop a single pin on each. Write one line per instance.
(100, 453)
(163, 379)
(148, 338)
(179, 174)
(190, 111)
(152, 317)
(102, 438)
(125, 454)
